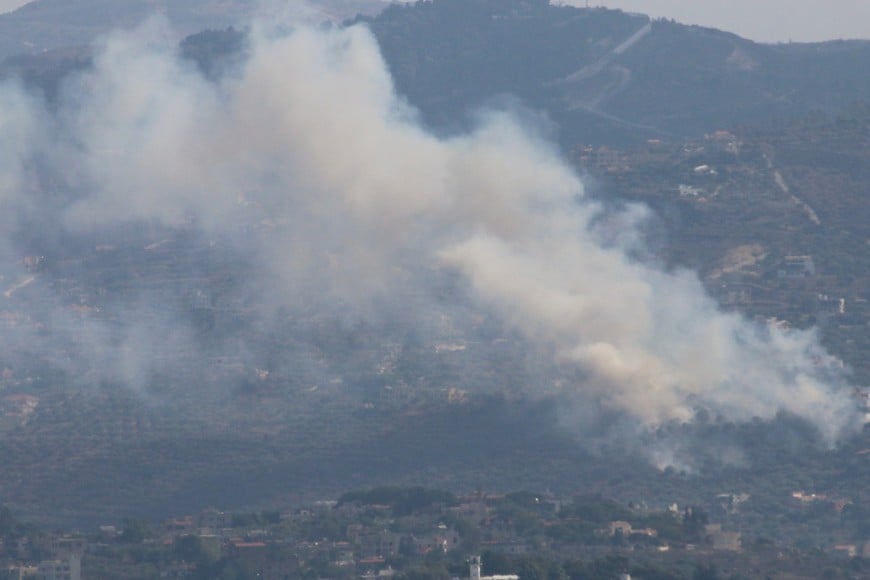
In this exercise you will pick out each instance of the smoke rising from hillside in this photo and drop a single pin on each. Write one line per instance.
(306, 162)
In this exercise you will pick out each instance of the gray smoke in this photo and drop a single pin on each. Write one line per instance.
(306, 163)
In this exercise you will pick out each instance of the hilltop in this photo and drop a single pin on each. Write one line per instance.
(606, 76)
(48, 25)
(593, 75)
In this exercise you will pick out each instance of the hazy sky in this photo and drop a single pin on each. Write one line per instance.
(761, 20)
(8, 5)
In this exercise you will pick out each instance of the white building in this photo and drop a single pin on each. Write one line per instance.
(67, 563)
(474, 572)
(68, 569)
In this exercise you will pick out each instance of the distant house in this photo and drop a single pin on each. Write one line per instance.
(214, 519)
(730, 502)
(607, 158)
(344, 555)
(375, 543)
(374, 567)
(442, 540)
(845, 550)
(253, 553)
(66, 563)
(618, 528)
(474, 566)
(59, 570)
(624, 529)
(688, 190)
(809, 497)
(175, 526)
(472, 508)
(19, 572)
(797, 267)
(513, 547)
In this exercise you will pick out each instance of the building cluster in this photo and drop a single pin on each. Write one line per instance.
(63, 561)
(358, 538)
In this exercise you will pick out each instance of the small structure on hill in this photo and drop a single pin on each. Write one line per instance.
(474, 572)
(797, 267)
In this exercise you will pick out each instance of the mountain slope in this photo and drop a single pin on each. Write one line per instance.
(604, 75)
(51, 24)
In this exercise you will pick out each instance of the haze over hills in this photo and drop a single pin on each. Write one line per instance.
(43, 25)
(267, 278)
(604, 75)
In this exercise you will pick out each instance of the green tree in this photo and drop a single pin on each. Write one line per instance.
(705, 572)
(695, 521)
(135, 531)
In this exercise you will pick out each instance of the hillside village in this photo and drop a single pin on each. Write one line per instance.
(772, 218)
(771, 213)
(419, 533)
(722, 211)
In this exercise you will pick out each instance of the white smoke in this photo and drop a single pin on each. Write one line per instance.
(306, 156)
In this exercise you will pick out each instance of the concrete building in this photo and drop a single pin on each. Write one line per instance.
(797, 267)
(69, 569)
(19, 572)
(66, 562)
(475, 564)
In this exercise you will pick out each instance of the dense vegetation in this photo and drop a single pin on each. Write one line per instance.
(524, 533)
(104, 453)
(450, 57)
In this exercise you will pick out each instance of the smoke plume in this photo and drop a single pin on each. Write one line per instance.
(303, 164)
